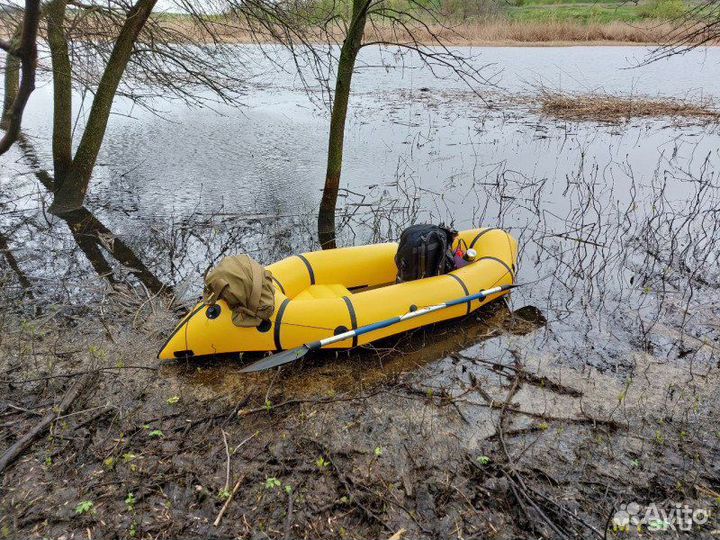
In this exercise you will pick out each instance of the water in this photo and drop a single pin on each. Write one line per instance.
(268, 156)
(617, 223)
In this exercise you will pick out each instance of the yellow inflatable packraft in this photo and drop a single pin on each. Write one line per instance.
(324, 293)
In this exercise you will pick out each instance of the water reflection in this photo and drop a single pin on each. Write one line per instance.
(620, 264)
(327, 373)
(91, 236)
(94, 238)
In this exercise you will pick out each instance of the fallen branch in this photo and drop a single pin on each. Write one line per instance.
(74, 374)
(229, 499)
(237, 484)
(537, 380)
(24, 442)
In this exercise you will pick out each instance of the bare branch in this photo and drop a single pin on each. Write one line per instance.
(697, 26)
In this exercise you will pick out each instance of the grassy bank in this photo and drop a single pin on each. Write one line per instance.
(583, 11)
(545, 33)
(526, 22)
(489, 32)
(482, 22)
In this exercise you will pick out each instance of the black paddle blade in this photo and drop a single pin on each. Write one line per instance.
(279, 359)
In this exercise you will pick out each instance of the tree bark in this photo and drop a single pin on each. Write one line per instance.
(346, 66)
(26, 51)
(72, 188)
(12, 80)
(62, 88)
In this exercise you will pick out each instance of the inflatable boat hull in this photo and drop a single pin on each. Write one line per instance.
(324, 293)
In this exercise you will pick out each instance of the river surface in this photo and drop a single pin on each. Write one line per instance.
(618, 223)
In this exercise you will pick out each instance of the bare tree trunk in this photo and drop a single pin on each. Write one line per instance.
(26, 52)
(72, 187)
(12, 80)
(346, 66)
(62, 88)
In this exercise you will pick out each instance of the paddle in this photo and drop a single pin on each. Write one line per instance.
(291, 355)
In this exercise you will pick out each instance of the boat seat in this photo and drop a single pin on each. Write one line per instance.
(315, 292)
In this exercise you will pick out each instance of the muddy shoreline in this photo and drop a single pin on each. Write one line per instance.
(413, 438)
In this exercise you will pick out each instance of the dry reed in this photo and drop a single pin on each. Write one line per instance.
(502, 32)
(610, 108)
(488, 32)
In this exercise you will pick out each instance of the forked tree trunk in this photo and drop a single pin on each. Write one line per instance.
(72, 183)
(24, 50)
(346, 66)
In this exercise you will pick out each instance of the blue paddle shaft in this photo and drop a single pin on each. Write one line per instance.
(411, 315)
(286, 357)
(390, 322)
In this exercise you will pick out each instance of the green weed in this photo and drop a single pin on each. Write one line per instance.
(85, 507)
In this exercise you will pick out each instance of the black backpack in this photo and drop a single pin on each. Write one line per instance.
(424, 251)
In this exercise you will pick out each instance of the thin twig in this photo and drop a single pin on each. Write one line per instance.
(227, 453)
(246, 440)
(229, 499)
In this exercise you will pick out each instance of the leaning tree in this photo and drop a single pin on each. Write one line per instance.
(107, 50)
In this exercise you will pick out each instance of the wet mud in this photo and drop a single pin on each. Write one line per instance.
(458, 430)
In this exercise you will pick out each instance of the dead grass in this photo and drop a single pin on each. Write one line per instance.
(487, 32)
(502, 32)
(610, 108)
